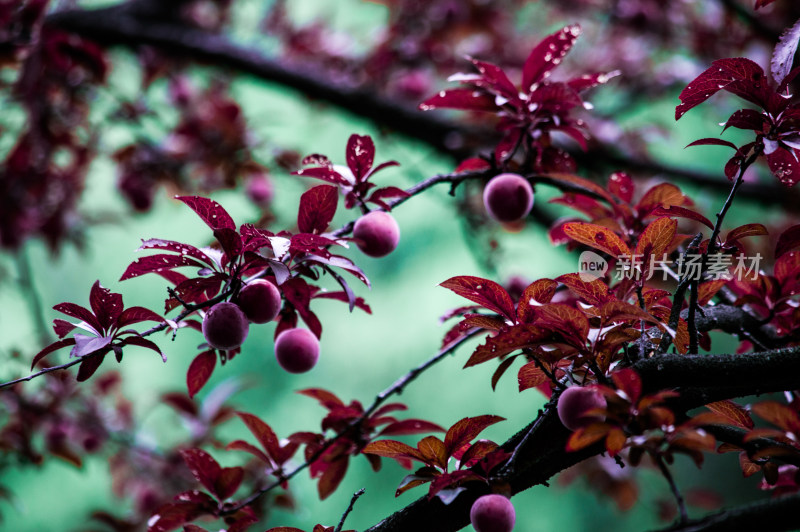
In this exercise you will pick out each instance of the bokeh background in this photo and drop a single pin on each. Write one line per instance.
(361, 354)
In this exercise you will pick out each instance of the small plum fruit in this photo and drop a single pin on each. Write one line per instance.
(508, 197)
(492, 513)
(297, 350)
(260, 300)
(574, 404)
(377, 233)
(260, 190)
(225, 326)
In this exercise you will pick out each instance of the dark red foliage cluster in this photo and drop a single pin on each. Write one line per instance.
(663, 274)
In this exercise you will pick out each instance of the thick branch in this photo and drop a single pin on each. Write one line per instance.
(699, 380)
(124, 25)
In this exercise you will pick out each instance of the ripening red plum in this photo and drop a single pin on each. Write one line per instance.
(260, 300)
(508, 197)
(377, 233)
(575, 402)
(492, 513)
(297, 350)
(225, 326)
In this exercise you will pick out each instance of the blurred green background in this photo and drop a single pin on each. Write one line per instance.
(361, 354)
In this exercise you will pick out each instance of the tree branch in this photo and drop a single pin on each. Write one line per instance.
(128, 26)
(768, 516)
(699, 380)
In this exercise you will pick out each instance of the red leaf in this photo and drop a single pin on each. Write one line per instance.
(547, 55)
(737, 75)
(744, 231)
(83, 314)
(360, 155)
(496, 80)
(748, 119)
(778, 414)
(655, 240)
(621, 185)
(171, 516)
(537, 293)
(200, 371)
(789, 240)
(594, 292)
(460, 98)
(734, 413)
(568, 320)
(263, 433)
(176, 247)
(598, 237)
(144, 342)
(204, 468)
(393, 449)
(106, 305)
(209, 211)
(228, 481)
(531, 376)
(434, 452)
(133, 315)
(674, 211)
(467, 429)
(324, 173)
(387, 192)
(410, 426)
(783, 165)
(484, 292)
(713, 142)
(585, 436)
(241, 445)
(51, 348)
(326, 398)
(317, 208)
(90, 364)
(158, 263)
(628, 381)
(507, 341)
(473, 164)
(663, 195)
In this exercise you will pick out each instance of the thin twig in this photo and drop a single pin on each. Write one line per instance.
(672, 486)
(395, 388)
(356, 495)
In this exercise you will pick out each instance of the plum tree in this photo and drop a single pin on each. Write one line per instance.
(377, 233)
(575, 402)
(297, 350)
(508, 197)
(260, 300)
(492, 513)
(225, 326)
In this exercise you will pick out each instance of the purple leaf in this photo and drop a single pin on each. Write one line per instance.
(324, 173)
(789, 240)
(360, 155)
(263, 433)
(339, 262)
(387, 192)
(144, 342)
(713, 142)
(106, 305)
(317, 208)
(381, 166)
(723, 74)
(200, 371)
(783, 165)
(746, 119)
(681, 212)
(494, 79)
(345, 298)
(62, 327)
(209, 211)
(547, 55)
(410, 426)
(176, 247)
(204, 468)
(90, 365)
(55, 346)
(85, 345)
(83, 314)
(133, 315)
(587, 81)
(484, 292)
(467, 429)
(783, 56)
(230, 242)
(157, 264)
(460, 98)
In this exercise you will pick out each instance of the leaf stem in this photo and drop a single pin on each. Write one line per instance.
(672, 486)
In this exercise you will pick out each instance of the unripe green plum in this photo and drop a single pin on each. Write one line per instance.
(225, 326)
(260, 300)
(574, 404)
(297, 350)
(377, 233)
(492, 513)
(508, 197)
